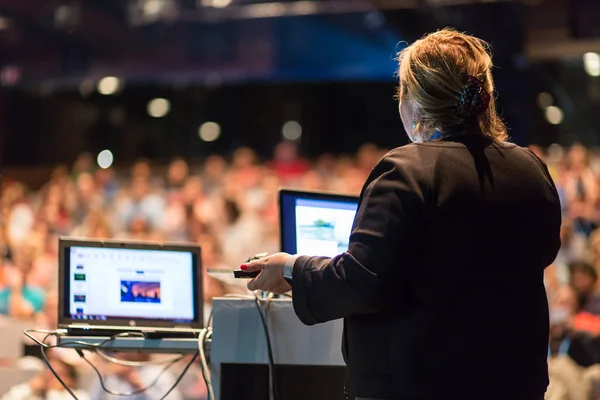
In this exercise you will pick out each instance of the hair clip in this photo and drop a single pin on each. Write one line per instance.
(474, 99)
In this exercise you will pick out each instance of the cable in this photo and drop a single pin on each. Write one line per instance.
(64, 385)
(181, 376)
(126, 363)
(205, 334)
(203, 362)
(272, 383)
(82, 355)
(57, 334)
(27, 332)
(160, 374)
(95, 347)
(165, 368)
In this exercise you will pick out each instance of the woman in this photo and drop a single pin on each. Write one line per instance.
(441, 289)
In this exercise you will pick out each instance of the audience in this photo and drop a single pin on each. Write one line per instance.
(44, 386)
(130, 380)
(230, 208)
(584, 279)
(572, 280)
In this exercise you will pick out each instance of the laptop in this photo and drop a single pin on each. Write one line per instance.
(108, 287)
(315, 223)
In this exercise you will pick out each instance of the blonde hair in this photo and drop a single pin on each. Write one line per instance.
(433, 72)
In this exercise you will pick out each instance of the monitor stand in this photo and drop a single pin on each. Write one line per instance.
(132, 344)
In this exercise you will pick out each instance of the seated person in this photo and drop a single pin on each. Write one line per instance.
(573, 332)
(46, 386)
(17, 298)
(584, 280)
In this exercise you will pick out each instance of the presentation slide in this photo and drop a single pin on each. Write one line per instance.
(323, 227)
(125, 283)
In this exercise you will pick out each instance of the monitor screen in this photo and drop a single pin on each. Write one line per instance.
(104, 283)
(316, 224)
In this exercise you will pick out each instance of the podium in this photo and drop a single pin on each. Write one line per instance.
(308, 359)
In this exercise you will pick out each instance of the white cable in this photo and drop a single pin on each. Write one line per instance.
(126, 363)
(204, 335)
(97, 347)
(27, 332)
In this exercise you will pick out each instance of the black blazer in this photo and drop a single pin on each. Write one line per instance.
(441, 289)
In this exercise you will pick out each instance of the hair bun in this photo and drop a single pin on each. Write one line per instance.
(474, 99)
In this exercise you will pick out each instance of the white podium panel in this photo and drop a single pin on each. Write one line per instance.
(238, 337)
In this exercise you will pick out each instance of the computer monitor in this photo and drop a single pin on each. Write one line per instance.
(315, 223)
(129, 284)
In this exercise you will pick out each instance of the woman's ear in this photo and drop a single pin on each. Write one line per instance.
(407, 117)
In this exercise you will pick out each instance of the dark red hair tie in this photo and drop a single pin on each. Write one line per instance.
(474, 99)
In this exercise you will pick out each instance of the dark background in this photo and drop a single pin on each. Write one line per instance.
(331, 72)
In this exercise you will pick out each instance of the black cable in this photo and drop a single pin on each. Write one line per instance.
(102, 384)
(95, 347)
(181, 375)
(272, 382)
(47, 361)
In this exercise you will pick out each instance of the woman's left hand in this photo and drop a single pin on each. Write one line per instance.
(271, 276)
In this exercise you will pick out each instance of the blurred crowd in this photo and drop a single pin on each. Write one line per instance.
(227, 205)
(572, 280)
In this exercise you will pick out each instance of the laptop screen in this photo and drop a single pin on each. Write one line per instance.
(113, 282)
(316, 224)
